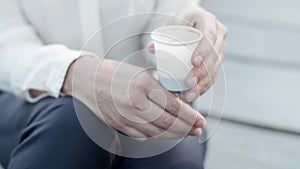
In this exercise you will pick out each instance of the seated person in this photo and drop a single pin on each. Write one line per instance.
(57, 63)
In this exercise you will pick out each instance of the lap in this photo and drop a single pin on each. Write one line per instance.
(189, 153)
(13, 117)
(49, 130)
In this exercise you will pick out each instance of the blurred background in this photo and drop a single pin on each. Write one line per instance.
(260, 127)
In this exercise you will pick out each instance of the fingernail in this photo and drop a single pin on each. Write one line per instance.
(191, 82)
(191, 97)
(198, 60)
(197, 132)
(200, 124)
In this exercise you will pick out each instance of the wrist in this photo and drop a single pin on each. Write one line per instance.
(67, 85)
(78, 73)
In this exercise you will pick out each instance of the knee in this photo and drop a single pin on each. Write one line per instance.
(59, 116)
(190, 152)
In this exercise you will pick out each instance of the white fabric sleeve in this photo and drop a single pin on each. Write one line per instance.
(170, 8)
(25, 62)
(163, 12)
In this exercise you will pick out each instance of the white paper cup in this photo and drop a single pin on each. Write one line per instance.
(174, 47)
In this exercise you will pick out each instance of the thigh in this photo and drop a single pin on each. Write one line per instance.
(188, 154)
(14, 113)
(45, 135)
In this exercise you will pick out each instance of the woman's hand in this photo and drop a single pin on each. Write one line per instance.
(209, 54)
(130, 100)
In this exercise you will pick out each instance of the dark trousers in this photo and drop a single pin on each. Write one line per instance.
(48, 135)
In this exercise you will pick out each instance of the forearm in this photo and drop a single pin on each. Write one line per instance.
(79, 76)
(86, 76)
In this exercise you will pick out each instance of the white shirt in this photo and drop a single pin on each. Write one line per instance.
(39, 39)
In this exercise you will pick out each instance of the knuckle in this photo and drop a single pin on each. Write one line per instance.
(212, 35)
(118, 126)
(225, 30)
(137, 103)
(204, 89)
(174, 105)
(202, 92)
(202, 72)
(138, 83)
(147, 82)
(201, 87)
(208, 84)
(146, 76)
(103, 95)
(212, 15)
(154, 132)
(127, 131)
(168, 122)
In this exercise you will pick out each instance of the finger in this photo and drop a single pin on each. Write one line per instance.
(203, 86)
(170, 135)
(216, 53)
(220, 44)
(201, 52)
(200, 88)
(151, 131)
(174, 105)
(151, 48)
(210, 80)
(134, 133)
(190, 115)
(203, 74)
(218, 56)
(164, 120)
(147, 129)
(223, 28)
(174, 124)
(207, 81)
(198, 73)
(207, 86)
(206, 45)
(143, 130)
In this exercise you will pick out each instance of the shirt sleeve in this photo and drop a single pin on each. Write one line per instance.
(25, 62)
(163, 12)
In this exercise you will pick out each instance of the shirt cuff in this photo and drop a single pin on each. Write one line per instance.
(59, 68)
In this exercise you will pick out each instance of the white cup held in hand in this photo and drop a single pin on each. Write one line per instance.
(174, 47)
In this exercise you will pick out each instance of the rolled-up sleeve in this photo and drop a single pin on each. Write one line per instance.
(25, 62)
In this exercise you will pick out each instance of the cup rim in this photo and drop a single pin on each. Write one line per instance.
(156, 32)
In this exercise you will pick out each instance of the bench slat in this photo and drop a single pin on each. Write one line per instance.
(260, 94)
(237, 146)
